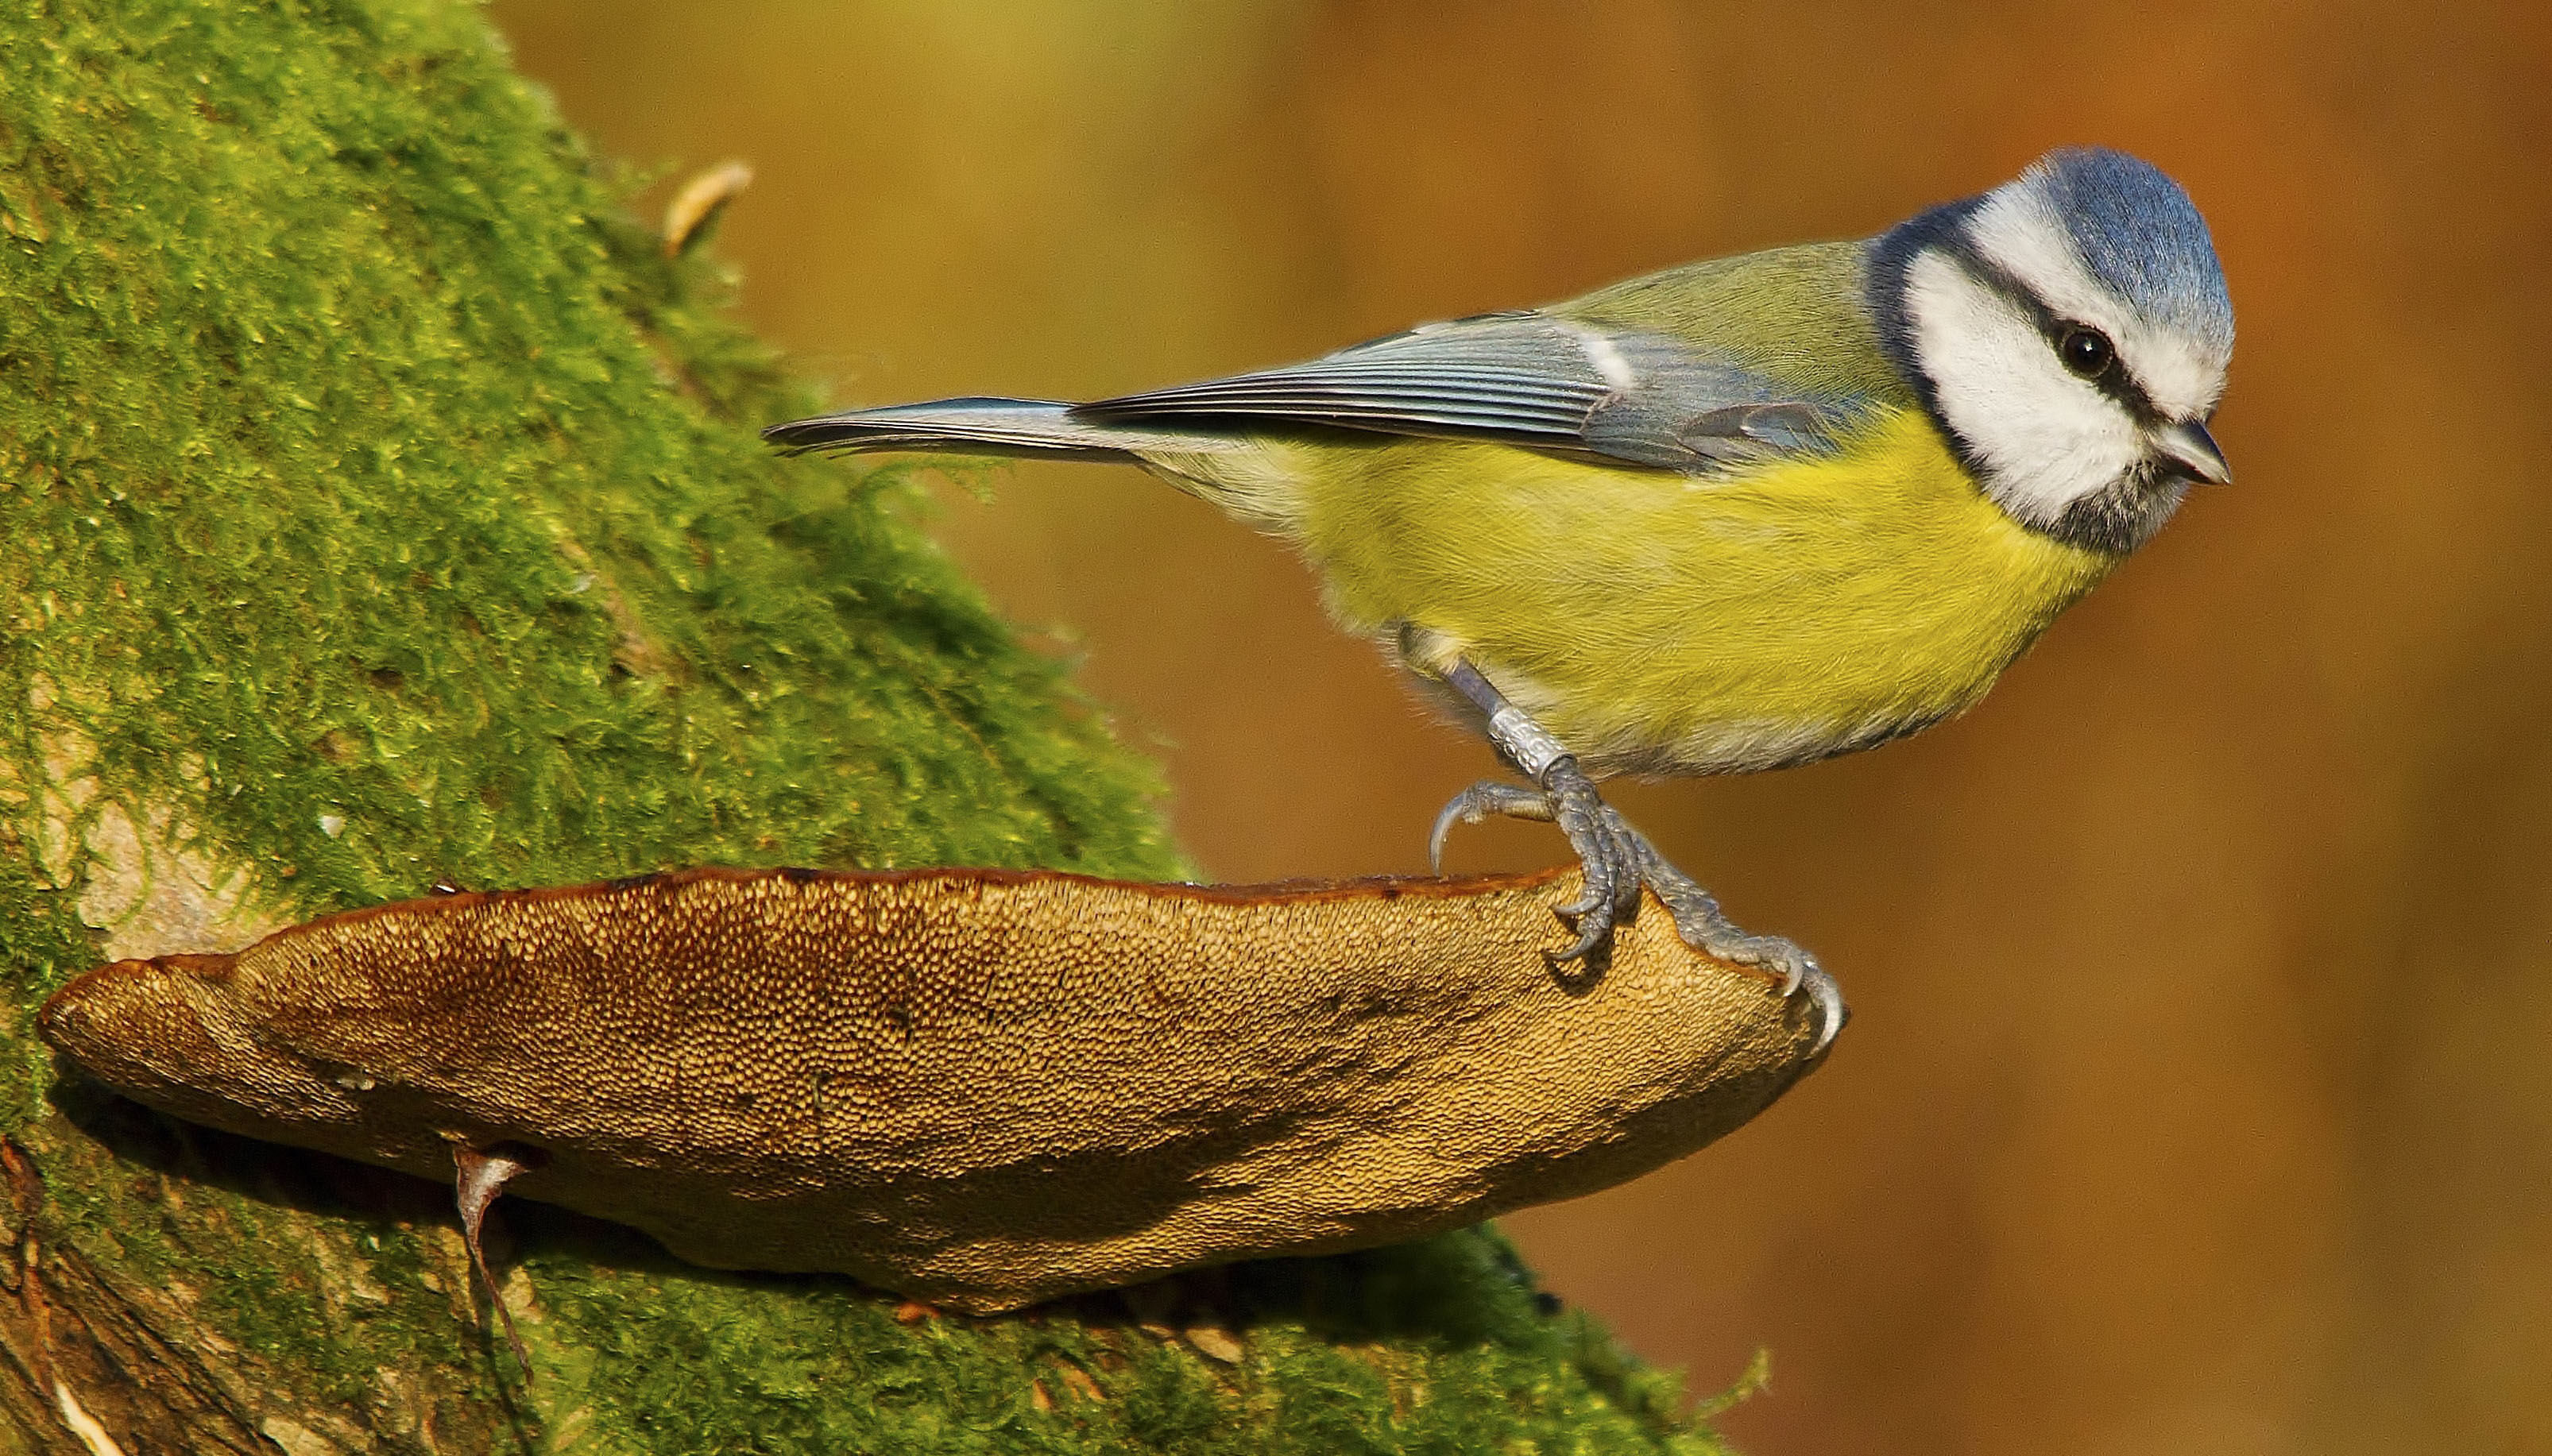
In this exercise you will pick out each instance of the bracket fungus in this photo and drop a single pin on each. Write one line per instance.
(982, 1088)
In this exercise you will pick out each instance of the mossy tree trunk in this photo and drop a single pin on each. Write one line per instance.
(382, 506)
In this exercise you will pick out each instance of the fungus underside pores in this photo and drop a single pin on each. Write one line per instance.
(979, 1089)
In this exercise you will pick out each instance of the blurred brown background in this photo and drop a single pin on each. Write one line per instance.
(2199, 1096)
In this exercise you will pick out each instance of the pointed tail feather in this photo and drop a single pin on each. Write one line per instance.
(981, 426)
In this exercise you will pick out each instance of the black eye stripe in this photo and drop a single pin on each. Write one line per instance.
(2118, 381)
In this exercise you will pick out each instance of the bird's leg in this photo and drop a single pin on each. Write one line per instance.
(1699, 922)
(1607, 846)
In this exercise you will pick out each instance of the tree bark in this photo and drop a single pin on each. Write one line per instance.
(382, 507)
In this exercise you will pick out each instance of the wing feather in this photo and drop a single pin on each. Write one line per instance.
(1527, 379)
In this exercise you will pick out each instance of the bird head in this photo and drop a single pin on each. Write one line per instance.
(2070, 330)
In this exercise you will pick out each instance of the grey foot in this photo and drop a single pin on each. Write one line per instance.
(1609, 850)
(1699, 921)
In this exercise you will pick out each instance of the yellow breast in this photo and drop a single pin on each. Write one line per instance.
(1664, 624)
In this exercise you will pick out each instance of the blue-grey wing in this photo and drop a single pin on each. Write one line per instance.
(1524, 378)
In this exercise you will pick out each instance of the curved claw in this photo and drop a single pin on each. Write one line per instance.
(1799, 973)
(1832, 1014)
(1477, 803)
(1456, 811)
(1593, 932)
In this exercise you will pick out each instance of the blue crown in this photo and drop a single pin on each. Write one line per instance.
(2141, 237)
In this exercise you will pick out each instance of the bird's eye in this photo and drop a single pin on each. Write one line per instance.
(2086, 351)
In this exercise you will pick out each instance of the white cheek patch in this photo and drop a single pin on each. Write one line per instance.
(2047, 439)
(2019, 232)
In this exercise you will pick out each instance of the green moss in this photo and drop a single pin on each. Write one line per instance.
(382, 507)
(1440, 1346)
(338, 435)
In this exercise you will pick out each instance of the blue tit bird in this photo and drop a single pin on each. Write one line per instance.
(1733, 516)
